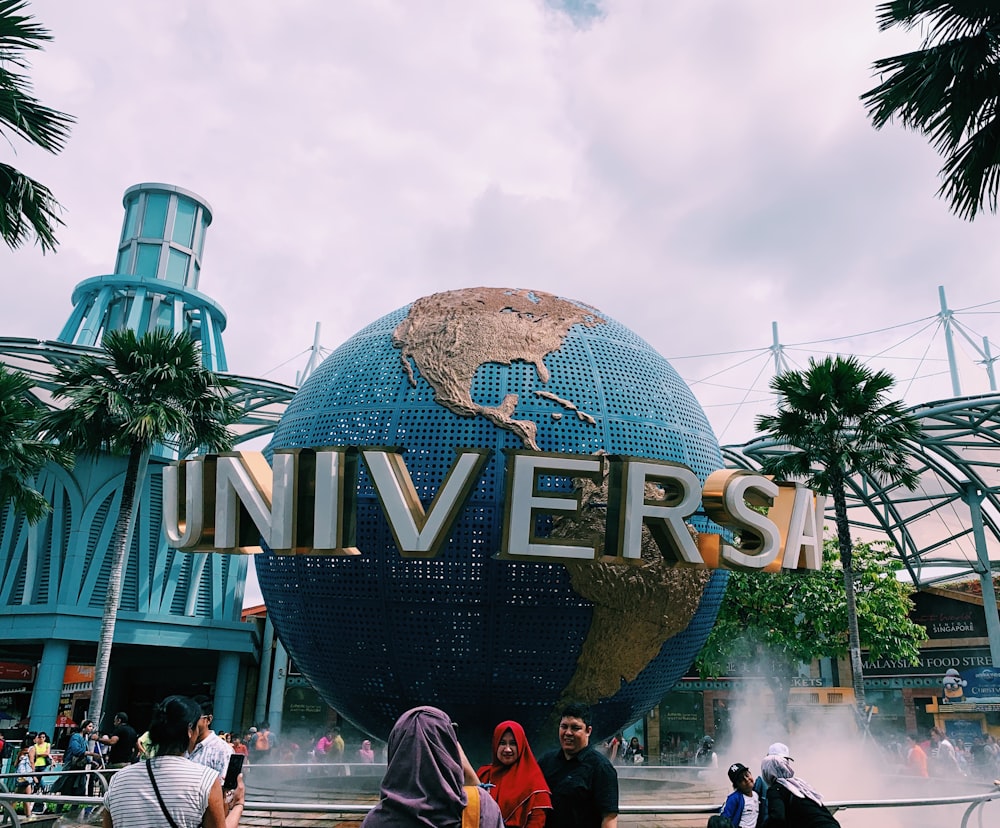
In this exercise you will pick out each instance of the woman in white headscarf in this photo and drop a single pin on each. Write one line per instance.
(792, 802)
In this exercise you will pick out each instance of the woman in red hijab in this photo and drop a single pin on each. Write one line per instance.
(519, 787)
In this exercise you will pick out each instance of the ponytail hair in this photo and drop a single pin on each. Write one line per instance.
(170, 728)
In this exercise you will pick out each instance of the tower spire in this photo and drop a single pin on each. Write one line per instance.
(156, 276)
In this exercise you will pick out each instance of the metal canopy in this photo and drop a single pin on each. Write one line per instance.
(261, 402)
(933, 528)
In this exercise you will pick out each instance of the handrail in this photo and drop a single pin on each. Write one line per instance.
(102, 774)
(974, 801)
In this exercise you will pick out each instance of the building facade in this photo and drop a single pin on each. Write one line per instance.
(179, 626)
(954, 686)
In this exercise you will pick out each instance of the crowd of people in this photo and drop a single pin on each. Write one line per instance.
(428, 779)
(939, 756)
(179, 773)
(620, 752)
(778, 797)
(34, 758)
(180, 738)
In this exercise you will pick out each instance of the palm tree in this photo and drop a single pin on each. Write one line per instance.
(133, 394)
(22, 453)
(836, 421)
(949, 90)
(25, 205)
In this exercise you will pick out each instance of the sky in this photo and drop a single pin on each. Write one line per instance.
(698, 170)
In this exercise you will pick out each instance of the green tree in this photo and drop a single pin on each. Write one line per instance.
(948, 90)
(26, 206)
(135, 393)
(776, 621)
(836, 421)
(22, 453)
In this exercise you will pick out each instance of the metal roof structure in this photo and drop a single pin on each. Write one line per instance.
(261, 402)
(934, 528)
(948, 527)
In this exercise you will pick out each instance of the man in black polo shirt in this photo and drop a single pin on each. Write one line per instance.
(584, 783)
(122, 741)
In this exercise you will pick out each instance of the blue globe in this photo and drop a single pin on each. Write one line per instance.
(483, 638)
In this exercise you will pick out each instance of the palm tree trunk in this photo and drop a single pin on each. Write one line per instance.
(119, 551)
(847, 561)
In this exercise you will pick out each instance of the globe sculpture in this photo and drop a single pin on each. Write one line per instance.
(484, 638)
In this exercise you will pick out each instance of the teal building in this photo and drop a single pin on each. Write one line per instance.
(179, 627)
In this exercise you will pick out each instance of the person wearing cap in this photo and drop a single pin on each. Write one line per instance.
(742, 807)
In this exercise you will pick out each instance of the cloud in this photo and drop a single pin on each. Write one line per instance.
(696, 170)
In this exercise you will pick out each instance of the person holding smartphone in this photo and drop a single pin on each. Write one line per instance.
(169, 790)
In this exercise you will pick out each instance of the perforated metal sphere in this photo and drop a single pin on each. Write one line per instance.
(482, 638)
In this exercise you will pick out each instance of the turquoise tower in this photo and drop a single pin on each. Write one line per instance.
(179, 625)
(156, 278)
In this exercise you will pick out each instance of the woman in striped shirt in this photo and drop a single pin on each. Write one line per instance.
(170, 791)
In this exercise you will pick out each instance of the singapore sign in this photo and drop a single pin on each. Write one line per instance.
(305, 501)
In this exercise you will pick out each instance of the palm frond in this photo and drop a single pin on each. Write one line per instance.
(26, 208)
(835, 419)
(948, 90)
(140, 391)
(22, 453)
(18, 32)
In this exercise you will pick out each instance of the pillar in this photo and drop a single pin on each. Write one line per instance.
(264, 679)
(279, 675)
(226, 678)
(48, 686)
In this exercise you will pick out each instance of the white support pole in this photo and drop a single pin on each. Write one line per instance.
(778, 350)
(973, 497)
(945, 317)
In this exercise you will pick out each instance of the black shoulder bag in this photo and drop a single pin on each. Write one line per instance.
(156, 790)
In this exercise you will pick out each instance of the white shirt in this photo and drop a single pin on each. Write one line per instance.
(213, 752)
(751, 807)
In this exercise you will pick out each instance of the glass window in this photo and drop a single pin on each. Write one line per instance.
(148, 261)
(131, 214)
(165, 316)
(184, 222)
(121, 266)
(201, 237)
(197, 276)
(155, 218)
(177, 266)
(115, 315)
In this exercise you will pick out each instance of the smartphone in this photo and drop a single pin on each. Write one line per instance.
(233, 771)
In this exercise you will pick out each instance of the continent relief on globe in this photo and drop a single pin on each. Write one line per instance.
(637, 607)
(450, 335)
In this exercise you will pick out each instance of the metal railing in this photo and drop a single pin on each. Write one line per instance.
(100, 776)
(975, 803)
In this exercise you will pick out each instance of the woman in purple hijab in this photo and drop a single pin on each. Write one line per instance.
(424, 777)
